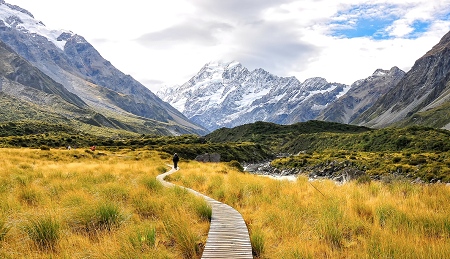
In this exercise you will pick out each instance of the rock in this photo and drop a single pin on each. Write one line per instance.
(213, 157)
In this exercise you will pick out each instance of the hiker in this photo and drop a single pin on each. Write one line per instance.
(175, 160)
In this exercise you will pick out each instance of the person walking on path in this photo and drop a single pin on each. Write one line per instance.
(175, 160)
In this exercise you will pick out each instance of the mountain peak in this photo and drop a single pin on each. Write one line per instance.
(380, 72)
(16, 8)
(443, 44)
(15, 17)
(227, 94)
(221, 64)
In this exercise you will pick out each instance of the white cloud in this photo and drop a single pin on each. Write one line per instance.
(165, 42)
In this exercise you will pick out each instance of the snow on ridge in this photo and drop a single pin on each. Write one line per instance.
(26, 23)
(250, 97)
(344, 91)
(233, 64)
(380, 72)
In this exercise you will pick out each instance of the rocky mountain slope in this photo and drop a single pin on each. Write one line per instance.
(361, 96)
(421, 97)
(30, 96)
(85, 77)
(228, 94)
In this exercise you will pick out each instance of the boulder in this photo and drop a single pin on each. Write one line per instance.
(213, 157)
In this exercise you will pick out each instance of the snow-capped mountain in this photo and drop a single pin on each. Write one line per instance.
(226, 94)
(20, 19)
(71, 61)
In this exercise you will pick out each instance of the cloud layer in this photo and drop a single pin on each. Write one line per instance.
(169, 41)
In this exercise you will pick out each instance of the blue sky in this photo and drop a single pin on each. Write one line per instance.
(375, 21)
(164, 43)
(372, 27)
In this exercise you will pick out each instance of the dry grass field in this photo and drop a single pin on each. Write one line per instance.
(80, 204)
(320, 219)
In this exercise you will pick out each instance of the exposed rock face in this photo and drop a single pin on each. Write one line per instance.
(85, 77)
(229, 95)
(213, 157)
(421, 97)
(361, 96)
(17, 69)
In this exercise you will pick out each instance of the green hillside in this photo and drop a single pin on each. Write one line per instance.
(319, 136)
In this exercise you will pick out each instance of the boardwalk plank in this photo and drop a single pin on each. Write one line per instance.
(228, 234)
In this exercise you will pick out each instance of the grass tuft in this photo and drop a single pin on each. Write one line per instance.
(202, 208)
(143, 238)
(152, 184)
(108, 216)
(177, 227)
(258, 242)
(97, 218)
(44, 231)
(4, 229)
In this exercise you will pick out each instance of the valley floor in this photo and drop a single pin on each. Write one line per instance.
(105, 204)
(320, 219)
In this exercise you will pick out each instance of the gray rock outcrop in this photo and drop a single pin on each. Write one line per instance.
(213, 157)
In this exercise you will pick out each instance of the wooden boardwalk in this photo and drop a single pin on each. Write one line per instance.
(228, 234)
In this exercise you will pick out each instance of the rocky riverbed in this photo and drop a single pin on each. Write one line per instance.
(339, 172)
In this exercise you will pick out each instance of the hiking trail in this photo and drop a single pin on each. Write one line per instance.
(228, 234)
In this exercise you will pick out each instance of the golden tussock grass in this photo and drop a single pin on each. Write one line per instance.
(320, 219)
(75, 204)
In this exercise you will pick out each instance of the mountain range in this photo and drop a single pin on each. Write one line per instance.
(226, 94)
(59, 73)
(57, 77)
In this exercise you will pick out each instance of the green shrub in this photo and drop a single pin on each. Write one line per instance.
(237, 165)
(45, 148)
(363, 179)
(396, 159)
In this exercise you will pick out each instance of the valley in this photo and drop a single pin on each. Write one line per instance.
(82, 144)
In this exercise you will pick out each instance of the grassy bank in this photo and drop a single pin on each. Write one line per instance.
(80, 204)
(425, 166)
(322, 220)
